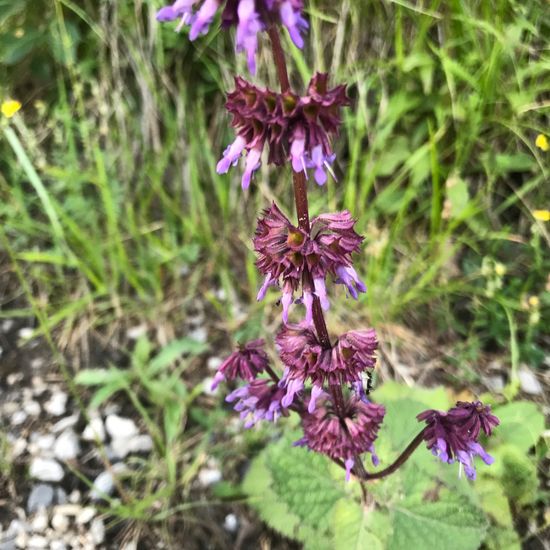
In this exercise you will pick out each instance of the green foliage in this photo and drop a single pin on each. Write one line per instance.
(424, 504)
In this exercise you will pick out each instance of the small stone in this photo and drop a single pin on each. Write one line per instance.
(18, 447)
(121, 447)
(37, 363)
(97, 530)
(41, 496)
(66, 446)
(60, 496)
(200, 334)
(85, 515)
(46, 469)
(38, 385)
(21, 540)
(134, 333)
(40, 521)
(103, 485)
(209, 476)
(57, 545)
(529, 382)
(65, 423)
(57, 404)
(41, 443)
(75, 496)
(119, 427)
(231, 523)
(60, 523)
(32, 408)
(7, 325)
(494, 383)
(14, 378)
(7, 543)
(25, 333)
(214, 363)
(132, 545)
(18, 417)
(36, 542)
(94, 430)
(67, 509)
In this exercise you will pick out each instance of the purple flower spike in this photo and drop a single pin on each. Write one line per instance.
(231, 155)
(252, 164)
(259, 400)
(348, 276)
(343, 439)
(293, 21)
(454, 434)
(247, 32)
(203, 18)
(285, 252)
(246, 363)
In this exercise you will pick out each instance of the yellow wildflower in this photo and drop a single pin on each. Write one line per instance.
(542, 142)
(542, 215)
(534, 301)
(10, 107)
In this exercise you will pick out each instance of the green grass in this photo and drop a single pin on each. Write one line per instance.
(108, 186)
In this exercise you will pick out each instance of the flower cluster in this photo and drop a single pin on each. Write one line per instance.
(246, 363)
(286, 253)
(296, 129)
(259, 400)
(455, 434)
(250, 17)
(345, 436)
(305, 359)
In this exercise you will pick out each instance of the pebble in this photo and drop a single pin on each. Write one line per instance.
(64, 423)
(7, 543)
(75, 496)
(37, 363)
(25, 333)
(231, 523)
(66, 446)
(21, 539)
(529, 382)
(60, 496)
(94, 430)
(214, 363)
(18, 417)
(46, 469)
(41, 495)
(57, 545)
(103, 485)
(57, 404)
(119, 427)
(209, 476)
(36, 542)
(134, 333)
(60, 523)
(97, 531)
(40, 521)
(199, 334)
(32, 408)
(122, 447)
(7, 325)
(18, 447)
(14, 378)
(41, 443)
(85, 515)
(494, 383)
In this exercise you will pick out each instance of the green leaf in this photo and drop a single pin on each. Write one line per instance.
(519, 475)
(436, 398)
(452, 523)
(173, 351)
(100, 377)
(303, 480)
(353, 527)
(173, 417)
(493, 500)
(521, 425)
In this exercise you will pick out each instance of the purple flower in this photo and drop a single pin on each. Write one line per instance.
(454, 434)
(259, 400)
(250, 17)
(343, 438)
(295, 129)
(305, 359)
(246, 363)
(286, 252)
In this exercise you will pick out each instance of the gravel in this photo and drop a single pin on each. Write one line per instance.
(46, 469)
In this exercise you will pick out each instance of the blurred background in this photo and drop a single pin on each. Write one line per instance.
(127, 271)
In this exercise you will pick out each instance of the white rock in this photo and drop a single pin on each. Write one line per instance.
(37, 363)
(97, 530)
(209, 476)
(529, 382)
(46, 469)
(119, 427)
(41, 496)
(41, 443)
(60, 523)
(14, 378)
(18, 447)
(66, 446)
(40, 521)
(214, 363)
(94, 430)
(85, 515)
(64, 423)
(75, 496)
(25, 333)
(32, 408)
(231, 523)
(122, 447)
(57, 403)
(21, 540)
(57, 545)
(7, 325)
(36, 542)
(134, 333)
(200, 334)
(18, 417)
(132, 545)
(39, 386)
(103, 485)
